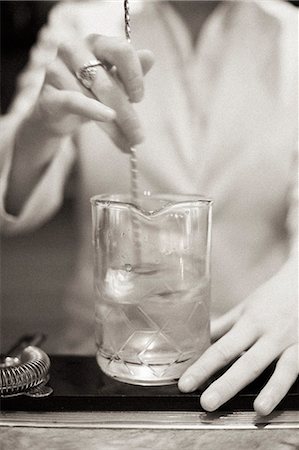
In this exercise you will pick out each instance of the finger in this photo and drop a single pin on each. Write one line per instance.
(238, 339)
(107, 89)
(71, 57)
(146, 59)
(60, 76)
(78, 103)
(241, 373)
(71, 53)
(81, 101)
(284, 376)
(223, 324)
(109, 93)
(73, 102)
(120, 53)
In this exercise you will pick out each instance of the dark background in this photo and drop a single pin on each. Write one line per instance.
(20, 22)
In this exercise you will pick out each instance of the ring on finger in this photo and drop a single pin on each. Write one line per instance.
(87, 73)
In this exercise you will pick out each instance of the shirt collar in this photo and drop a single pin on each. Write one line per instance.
(227, 15)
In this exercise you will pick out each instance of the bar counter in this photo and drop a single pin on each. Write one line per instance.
(23, 438)
(89, 410)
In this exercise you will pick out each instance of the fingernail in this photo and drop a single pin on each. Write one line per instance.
(110, 114)
(137, 137)
(264, 406)
(106, 113)
(210, 401)
(187, 384)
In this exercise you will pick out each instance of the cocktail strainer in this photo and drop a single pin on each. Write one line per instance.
(26, 373)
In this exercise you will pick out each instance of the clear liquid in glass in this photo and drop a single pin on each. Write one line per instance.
(152, 321)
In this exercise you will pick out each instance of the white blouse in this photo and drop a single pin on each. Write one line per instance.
(220, 119)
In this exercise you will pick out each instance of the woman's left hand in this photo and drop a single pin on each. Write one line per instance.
(261, 329)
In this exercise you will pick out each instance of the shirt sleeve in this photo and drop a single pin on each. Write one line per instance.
(47, 195)
(45, 198)
(292, 202)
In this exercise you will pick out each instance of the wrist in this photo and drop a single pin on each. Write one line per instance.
(34, 149)
(35, 142)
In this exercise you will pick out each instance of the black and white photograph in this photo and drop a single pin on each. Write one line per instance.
(149, 225)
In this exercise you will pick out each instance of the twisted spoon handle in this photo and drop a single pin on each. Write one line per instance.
(133, 160)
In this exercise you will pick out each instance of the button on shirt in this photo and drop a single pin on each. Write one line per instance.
(220, 119)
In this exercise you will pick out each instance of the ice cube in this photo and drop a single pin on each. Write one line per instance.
(119, 283)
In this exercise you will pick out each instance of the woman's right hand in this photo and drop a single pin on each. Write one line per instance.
(64, 103)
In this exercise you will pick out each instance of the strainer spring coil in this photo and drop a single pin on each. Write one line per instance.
(30, 373)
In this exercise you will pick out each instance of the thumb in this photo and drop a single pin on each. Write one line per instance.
(224, 323)
(147, 60)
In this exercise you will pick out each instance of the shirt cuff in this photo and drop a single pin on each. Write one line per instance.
(46, 197)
